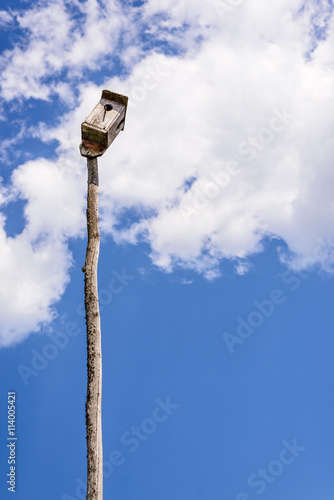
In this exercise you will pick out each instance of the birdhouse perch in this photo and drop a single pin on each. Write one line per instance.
(103, 124)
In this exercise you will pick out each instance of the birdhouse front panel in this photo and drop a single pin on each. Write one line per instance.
(105, 121)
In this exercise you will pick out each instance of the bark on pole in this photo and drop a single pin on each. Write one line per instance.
(94, 352)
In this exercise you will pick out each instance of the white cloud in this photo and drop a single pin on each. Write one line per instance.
(55, 195)
(34, 265)
(225, 144)
(5, 18)
(33, 278)
(242, 268)
(55, 42)
(199, 118)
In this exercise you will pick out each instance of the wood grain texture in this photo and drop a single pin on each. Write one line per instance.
(94, 353)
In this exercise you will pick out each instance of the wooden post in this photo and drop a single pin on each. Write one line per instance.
(94, 352)
(98, 131)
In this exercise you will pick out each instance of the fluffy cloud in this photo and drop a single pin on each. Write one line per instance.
(59, 37)
(264, 106)
(227, 141)
(5, 18)
(34, 265)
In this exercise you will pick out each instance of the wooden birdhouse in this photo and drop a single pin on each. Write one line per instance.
(103, 124)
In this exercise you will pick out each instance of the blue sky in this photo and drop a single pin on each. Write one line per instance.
(216, 260)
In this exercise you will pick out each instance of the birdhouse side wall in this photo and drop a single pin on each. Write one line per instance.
(94, 135)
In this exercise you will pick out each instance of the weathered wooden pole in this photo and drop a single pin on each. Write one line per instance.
(97, 133)
(94, 351)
